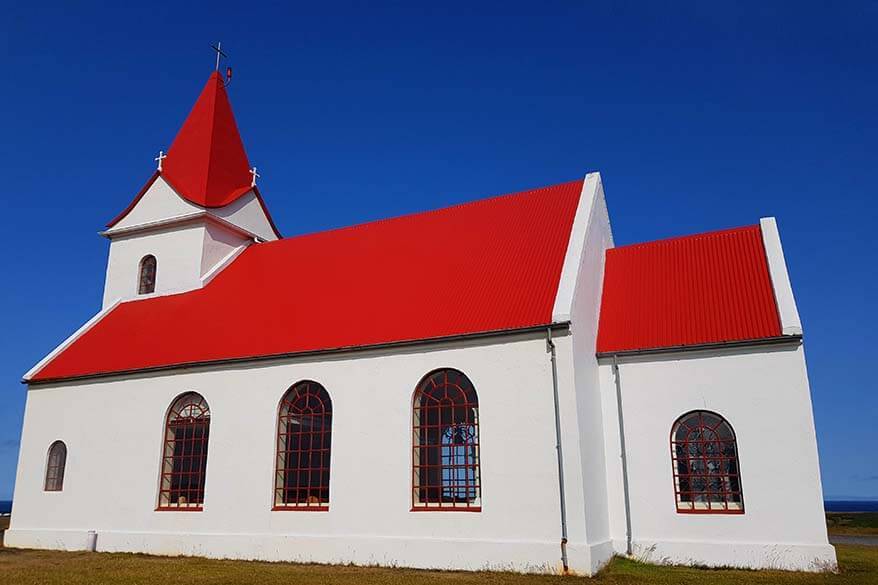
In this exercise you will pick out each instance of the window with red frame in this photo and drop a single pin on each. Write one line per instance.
(704, 455)
(55, 464)
(304, 442)
(146, 283)
(445, 443)
(184, 458)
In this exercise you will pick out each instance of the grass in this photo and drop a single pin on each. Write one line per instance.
(859, 565)
(4, 524)
(852, 523)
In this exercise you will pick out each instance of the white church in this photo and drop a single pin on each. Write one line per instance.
(492, 385)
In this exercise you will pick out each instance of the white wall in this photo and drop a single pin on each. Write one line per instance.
(247, 213)
(219, 242)
(159, 202)
(187, 241)
(178, 251)
(764, 394)
(113, 431)
(589, 241)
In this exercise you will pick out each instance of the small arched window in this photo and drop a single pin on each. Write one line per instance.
(704, 455)
(146, 284)
(184, 457)
(55, 464)
(304, 442)
(445, 443)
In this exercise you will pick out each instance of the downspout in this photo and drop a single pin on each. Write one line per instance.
(550, 348)
(629, 549)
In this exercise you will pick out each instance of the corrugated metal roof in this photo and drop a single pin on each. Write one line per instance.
(484, 266)
(707, 288)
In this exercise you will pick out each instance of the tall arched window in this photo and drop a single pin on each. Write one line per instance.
(304, 441)
(184, 458)
(704, 455)
(55, 464)
(147, 275)
(445, 443)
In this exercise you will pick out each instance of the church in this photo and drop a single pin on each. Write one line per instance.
(489, 386)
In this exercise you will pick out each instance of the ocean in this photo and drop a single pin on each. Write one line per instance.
(851, 505)
(5, 506)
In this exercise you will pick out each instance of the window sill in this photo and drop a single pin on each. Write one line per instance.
(300, 509)
(179, 509)
(705, 511)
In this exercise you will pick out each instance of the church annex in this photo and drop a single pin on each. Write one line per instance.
(492, 385)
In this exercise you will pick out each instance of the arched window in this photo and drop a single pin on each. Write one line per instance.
(55, 464)
(147, 275)
(304, 441)
(184, 458)
(704, 455)
(445, 443)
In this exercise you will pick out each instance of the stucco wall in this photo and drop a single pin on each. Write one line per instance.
(113, 431)
(596, 236)
(158, 203)
(247, 213)
(178, 251)
(764, 394)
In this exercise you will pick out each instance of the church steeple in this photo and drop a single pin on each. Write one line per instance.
(198, 211)
(207, 163)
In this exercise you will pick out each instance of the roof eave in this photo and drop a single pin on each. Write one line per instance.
(734, 344)
(554, 326)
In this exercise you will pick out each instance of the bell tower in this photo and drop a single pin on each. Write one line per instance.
(196, 213)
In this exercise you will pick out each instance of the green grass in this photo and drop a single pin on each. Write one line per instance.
(852, 523)
(859, 565)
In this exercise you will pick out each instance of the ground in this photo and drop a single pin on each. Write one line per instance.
(859, 565)
(852, 523)
(17, 567)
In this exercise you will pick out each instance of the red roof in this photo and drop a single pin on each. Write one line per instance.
(693, 290)
(206, 163)
(489, 265)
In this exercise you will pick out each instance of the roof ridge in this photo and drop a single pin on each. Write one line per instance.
(687, 237)
(419, 213)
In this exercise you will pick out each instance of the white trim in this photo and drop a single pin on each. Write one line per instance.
(221, 265)
(180, 219)
(66, 343)
(780, 279)
(592, 191)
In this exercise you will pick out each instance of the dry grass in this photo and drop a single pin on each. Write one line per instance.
(4, 524)
(20, 567)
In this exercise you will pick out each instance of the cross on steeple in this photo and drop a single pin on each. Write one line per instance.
(219, 54)
(162, 156)
(255, 176)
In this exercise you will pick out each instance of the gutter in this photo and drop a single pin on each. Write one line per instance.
(562, 326)
(550, 348)
(702, 346)
(629, 547)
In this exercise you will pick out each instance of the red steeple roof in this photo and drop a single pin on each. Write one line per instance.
(207, 163)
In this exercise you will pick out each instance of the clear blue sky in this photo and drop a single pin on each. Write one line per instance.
(699, 118)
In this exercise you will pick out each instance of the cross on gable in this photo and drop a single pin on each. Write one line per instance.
(255, 176)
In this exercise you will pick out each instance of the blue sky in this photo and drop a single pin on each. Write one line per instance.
(699, 117)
